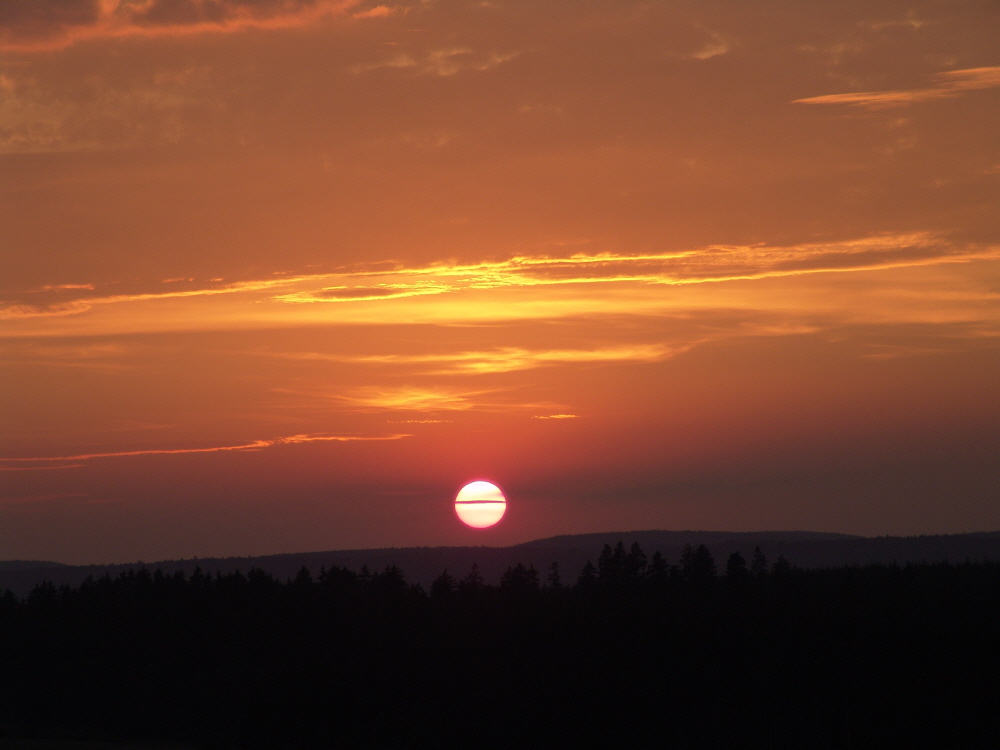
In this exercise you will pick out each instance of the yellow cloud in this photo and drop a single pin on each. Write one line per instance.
(707, 264)
(410, 399)
(520, 288)
(365, 293)
(503, 359)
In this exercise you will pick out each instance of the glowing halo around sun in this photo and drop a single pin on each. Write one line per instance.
(480, 504)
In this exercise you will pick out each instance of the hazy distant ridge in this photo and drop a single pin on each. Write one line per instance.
(423, 564)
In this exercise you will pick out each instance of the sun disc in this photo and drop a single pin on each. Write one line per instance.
(480, 504)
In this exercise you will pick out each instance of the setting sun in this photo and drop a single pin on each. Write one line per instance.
(480, 504)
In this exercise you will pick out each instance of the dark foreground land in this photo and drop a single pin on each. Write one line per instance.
(633, 653)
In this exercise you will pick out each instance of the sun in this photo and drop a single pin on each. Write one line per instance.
(480, 504)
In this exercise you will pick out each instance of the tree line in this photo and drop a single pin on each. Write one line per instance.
(632, 649)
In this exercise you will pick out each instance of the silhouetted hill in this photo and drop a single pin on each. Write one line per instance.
(422, 565)
(804, 549)
(28, 564)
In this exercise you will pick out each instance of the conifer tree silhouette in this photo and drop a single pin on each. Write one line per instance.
(635, 562)
(390, 580)
(758, 566)
(304, 578)
(553, 577)
(781, 566)
(519, 579)
(658, 571)
(612, 565)
(443, 586)
(605, 563)
(697, 566)
(474, 580)
(736, 570)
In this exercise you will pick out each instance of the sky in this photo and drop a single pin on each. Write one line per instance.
(283, 275)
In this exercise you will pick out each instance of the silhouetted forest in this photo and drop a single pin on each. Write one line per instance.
(633, 651)
(805, 549)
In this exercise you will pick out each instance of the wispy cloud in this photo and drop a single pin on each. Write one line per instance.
(39, 468)
(101, 113)
(28, 309)
(366, 293)
(713, 263)
(45, 25)
(410, 399)
(443, 62)
(489, 289)
(100, 356)
(907, 23)
(423, 399)
(379, 11)
(946, 86)
(715, 46)
(256, 445)
(502, 359)
(420, 421)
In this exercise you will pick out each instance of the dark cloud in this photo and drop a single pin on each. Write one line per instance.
(40, 18)
(58, 22)
(181, 12)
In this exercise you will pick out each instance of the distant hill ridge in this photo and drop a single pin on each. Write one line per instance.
(28, 564)
(807, 549)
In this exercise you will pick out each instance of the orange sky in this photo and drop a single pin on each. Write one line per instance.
(282, 275)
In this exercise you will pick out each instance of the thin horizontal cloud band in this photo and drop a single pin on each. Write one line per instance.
(502, 359)
(367, 285)
(256, 445)
(710, 264)
(947, 85)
